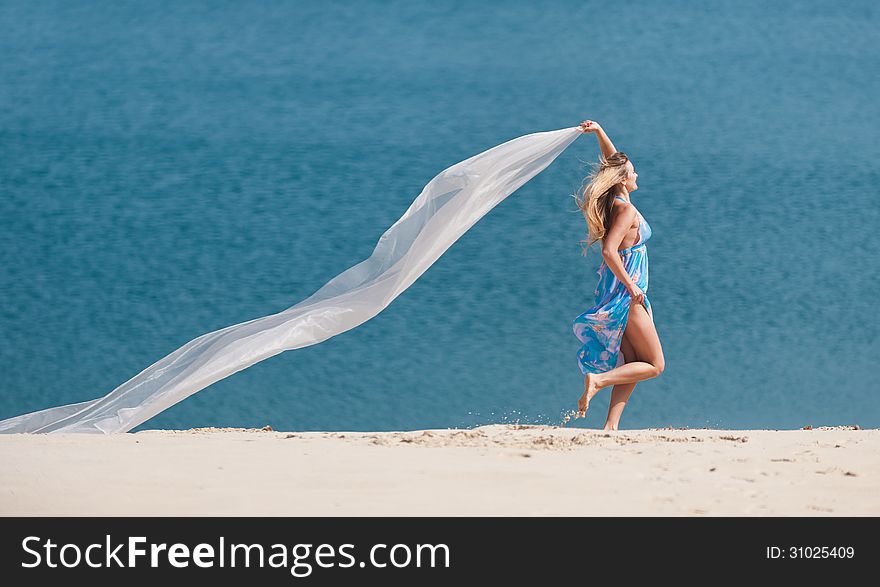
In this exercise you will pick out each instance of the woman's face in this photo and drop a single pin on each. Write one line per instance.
(631, 177)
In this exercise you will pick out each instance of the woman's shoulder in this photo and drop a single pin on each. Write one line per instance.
(621, 206)
(619, 201)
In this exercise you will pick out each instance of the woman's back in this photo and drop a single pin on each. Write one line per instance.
(637, 234)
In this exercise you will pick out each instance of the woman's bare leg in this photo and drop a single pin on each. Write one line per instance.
(643, 337)
(620, 393)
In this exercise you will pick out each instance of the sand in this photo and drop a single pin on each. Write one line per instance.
(496, 470)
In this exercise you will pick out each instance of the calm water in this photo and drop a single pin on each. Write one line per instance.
(171, 168)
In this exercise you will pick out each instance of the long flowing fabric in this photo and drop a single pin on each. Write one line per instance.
(447, 207)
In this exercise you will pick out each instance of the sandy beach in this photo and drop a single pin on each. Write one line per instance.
(495, 470)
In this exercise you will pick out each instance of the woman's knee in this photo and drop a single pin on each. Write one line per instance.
(659, 365)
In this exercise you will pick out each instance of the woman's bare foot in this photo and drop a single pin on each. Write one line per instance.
(591, 388)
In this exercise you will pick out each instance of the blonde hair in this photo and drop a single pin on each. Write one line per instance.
(597, 194)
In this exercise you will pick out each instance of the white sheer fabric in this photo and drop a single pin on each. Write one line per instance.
(447, 207)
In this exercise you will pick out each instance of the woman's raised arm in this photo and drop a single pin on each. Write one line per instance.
(604, 142)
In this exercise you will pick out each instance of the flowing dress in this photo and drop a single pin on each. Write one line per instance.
(601, 328)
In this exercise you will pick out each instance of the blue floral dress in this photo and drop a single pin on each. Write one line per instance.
(600, 328)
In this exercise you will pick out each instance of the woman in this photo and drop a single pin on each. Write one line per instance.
(622, 320)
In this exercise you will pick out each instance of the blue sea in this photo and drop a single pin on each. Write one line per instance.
(171, 168)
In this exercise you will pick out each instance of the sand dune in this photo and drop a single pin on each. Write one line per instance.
(490, 470)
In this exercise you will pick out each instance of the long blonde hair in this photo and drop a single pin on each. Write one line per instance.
(597, 194)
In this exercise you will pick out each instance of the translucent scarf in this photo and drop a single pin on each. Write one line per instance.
(448, 206)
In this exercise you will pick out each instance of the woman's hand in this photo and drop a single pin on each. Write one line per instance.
(590, 126)
(638, 296)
